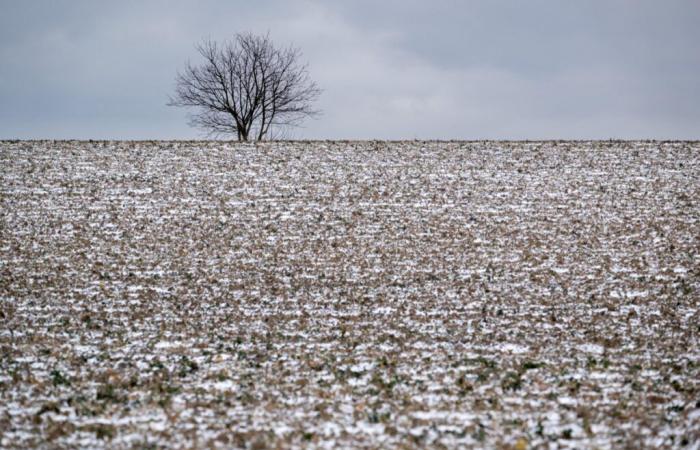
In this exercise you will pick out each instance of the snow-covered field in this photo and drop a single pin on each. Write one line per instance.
(369, 294)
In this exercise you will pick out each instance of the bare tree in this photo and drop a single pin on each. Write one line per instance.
(246, 87)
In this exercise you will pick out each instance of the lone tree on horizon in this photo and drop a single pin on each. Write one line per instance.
(246, 86)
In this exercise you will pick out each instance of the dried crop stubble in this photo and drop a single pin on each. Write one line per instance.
(349, 293)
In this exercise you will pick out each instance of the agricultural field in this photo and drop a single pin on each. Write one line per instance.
(350, 294)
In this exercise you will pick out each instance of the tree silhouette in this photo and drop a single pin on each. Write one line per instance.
(247, 88)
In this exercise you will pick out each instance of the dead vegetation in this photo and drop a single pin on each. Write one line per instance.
(368, 294)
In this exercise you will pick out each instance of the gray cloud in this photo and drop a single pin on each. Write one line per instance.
(390, 69)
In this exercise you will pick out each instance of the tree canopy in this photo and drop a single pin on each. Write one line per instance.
(246, 87)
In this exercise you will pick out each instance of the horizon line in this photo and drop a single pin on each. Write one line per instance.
(274, 141)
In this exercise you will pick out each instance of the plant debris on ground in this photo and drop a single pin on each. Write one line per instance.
(349, 294)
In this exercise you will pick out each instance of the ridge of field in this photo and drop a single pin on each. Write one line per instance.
(350, 294)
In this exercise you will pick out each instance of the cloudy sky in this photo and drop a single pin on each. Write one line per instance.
(398, 69)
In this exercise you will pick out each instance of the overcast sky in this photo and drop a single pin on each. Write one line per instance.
(401, 69)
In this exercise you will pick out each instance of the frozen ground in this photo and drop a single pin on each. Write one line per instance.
(325, 294)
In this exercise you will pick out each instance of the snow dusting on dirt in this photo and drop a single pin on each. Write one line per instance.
(350, 294)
